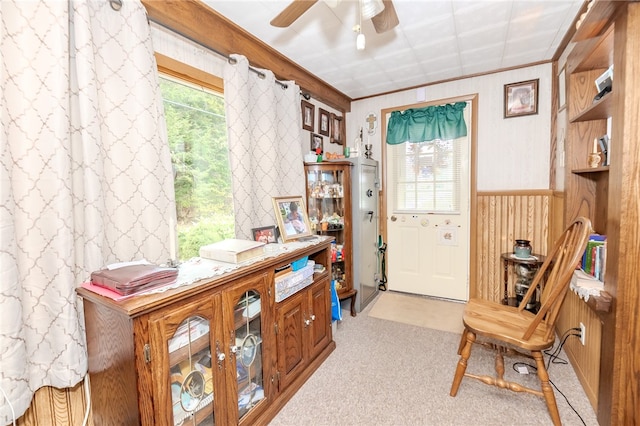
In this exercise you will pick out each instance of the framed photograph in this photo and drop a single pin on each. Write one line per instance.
(562, 91)
(521, 98)
(292, 217)
(308, 113)
(316, 143)
(336, 129)
(324, 126)
(266, 234)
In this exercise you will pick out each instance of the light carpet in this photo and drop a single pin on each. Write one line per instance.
(385, 373)
(420, 311)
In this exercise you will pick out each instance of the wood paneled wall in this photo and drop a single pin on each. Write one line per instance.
(57, 407)
(584, 359)
(503, 217)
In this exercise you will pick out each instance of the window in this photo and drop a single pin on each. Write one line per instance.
(426, 176)
(197, 135)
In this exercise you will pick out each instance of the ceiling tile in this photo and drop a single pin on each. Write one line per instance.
(436, 39)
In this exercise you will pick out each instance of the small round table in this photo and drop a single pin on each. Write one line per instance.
(534, 261)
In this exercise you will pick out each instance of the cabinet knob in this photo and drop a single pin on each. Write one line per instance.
(313, 317)
(220, 356)
(307, 322)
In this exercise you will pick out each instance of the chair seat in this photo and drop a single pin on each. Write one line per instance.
(505, 323)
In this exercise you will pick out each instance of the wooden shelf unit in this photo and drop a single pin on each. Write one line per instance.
(608, 35)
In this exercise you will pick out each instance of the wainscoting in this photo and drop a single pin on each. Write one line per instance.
(503, 217)
(61, 407)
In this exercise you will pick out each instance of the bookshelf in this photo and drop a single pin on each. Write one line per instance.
(608, 35)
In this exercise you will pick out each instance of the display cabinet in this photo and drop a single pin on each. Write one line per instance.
(329, 206)
(211, 346)
(208, 352)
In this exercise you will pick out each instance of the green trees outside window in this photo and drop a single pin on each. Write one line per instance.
(200, 156)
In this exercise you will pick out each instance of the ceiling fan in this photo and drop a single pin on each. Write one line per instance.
(381, 12)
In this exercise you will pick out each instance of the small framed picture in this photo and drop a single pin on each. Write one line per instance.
(308, 113)
(336, 129)
(323, 126)
(521, 98)
(265, 234)
(292, 217)
(316, 143)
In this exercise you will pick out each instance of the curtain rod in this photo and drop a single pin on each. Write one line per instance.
(228, 58)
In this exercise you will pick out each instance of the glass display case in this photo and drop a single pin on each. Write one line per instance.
(219, 351)
(213, 347)
(329, 205)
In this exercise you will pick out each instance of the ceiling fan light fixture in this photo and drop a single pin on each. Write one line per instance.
(360, 41)
(371, 8)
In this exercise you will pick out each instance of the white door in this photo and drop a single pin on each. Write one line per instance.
(428, 217)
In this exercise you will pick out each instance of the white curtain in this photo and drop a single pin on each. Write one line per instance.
(264, 130)
(85, 176)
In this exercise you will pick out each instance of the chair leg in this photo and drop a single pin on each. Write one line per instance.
(463, 341)
(547, 390)
(465, 353)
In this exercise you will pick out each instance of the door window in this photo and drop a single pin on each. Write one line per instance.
(426, 176)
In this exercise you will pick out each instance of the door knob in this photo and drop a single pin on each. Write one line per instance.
(393, 218)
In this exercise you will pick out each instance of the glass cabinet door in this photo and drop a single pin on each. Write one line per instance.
(191, 372)
(327, 213)
(248, 351)
(187, 363)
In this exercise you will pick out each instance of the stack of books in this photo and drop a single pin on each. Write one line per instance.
(595, 255)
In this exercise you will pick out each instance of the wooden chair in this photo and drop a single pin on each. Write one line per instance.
(520, 331)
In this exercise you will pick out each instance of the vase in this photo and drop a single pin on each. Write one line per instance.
(522, 249)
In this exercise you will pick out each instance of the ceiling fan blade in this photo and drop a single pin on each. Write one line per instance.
(387, 19)
(292, 12)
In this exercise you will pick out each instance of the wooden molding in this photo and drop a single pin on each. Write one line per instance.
(196, 21)
(170, 66)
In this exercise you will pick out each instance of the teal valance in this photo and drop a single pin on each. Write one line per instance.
(427, 124)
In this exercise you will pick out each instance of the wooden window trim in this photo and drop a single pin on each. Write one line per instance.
(180, 70)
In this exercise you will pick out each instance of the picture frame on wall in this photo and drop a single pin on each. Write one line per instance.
(521, 98)
(324, 124)
(308, 113)
(292, 217)
(317, 143)
(336, 130)
(265, 234)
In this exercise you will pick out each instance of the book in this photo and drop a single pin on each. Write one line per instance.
(233, 250)
(590, 255)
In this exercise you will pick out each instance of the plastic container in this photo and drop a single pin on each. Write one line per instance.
(300, 263)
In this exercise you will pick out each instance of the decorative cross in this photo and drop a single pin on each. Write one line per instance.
(371, 120)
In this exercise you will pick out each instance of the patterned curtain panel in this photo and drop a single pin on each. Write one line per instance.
(85, 176)
(265, 149)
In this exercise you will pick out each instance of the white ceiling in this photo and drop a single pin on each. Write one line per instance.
(436, 39)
